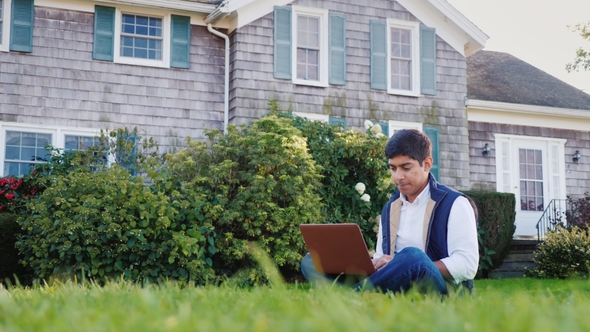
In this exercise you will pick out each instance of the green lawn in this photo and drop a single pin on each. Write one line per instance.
(497, 305)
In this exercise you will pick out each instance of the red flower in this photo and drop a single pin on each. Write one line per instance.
(9, 196)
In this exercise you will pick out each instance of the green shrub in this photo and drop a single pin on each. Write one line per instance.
(564, 254)
(495, 227)
(349, 157)
(9, 256)
(107, 224)
(258, 184)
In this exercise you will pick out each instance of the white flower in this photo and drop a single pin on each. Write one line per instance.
(376, 129)
(366, 198)
(380, 135)
(360, 188)
(368, 124)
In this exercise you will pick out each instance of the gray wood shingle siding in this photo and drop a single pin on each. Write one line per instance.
(253, 85)
(59, 83)
(483, 170)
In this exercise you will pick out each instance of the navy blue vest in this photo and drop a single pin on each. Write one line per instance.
(436, 239)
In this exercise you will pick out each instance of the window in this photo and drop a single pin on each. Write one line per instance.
(397, 125)
(403, 57)
(310, 51)
(309, 46)
(141, 37)
(25, 145)
(146, 38)
(23, 150)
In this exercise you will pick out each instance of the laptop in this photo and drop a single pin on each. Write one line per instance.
(337, 248)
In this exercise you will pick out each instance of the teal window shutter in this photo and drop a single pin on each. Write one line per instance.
(337, 49)
(282, 42)
(337, 121)
(104, 33)
(21, 32)
(180, 42)
(432, 133)
(378, 55)
(384, 127)
(427, 60)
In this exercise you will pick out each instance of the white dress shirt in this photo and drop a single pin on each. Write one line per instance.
(462, 243)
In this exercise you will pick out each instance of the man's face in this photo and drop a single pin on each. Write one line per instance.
(409, 177)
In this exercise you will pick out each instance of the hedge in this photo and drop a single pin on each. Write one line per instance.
(495, 225)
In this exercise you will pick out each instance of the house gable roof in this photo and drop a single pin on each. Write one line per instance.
(501, 77)
(450, 24)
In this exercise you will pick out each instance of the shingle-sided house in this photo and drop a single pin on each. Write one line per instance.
(176, 67)
(536, 129)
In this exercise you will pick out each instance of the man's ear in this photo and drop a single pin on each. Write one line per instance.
(428, 163)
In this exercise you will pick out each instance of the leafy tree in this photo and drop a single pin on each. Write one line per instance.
(582, 60)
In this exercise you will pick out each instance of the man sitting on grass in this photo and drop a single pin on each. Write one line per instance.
(427, 235)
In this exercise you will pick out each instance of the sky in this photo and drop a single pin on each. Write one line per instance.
(535, 31)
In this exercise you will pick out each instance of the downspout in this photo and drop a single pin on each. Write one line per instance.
(226, 90)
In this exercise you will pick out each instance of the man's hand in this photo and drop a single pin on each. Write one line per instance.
(382, 261)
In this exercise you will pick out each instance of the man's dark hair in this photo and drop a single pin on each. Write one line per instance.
(409, 142)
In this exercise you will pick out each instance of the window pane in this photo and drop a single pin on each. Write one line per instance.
(128, 28)
(540, 205)
(141, 43)
(141, 30)
(141, 20)
(406, 51)
(404, 36)
(12, 152)
(395, 38)
(539, 188)
(530, 157)
(130, 19)
(396, 50)
(28, 154)
(11, 169)
(539, 172)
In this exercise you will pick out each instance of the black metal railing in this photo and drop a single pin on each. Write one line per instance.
(554, 215)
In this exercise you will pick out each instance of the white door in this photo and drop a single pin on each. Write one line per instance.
(531, 168)
(531, 185)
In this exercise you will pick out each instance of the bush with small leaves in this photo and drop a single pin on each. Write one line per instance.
(564, 254)
(106, 225)
(259, 183)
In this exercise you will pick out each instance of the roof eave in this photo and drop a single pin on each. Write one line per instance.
(183, 5)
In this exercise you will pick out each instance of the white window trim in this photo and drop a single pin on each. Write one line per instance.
(313, 116)
(415, 38)
(165, 62)
(6, 18)
(57, 135)
(397, 125)
(322, 14)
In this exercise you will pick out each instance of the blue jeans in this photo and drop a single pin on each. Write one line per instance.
(410, 267)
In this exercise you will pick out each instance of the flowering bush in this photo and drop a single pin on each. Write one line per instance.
(356, 181)
(14, 193)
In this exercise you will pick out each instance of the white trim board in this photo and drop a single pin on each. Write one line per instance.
(451, 25)
(527, 115)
